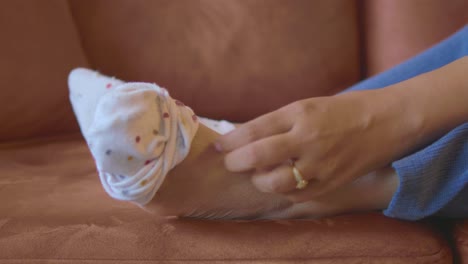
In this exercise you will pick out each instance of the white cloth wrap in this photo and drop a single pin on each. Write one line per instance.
(136, 132)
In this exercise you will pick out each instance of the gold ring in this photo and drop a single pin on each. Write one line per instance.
(301, 183)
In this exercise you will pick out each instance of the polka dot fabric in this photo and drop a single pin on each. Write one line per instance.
(136, 132)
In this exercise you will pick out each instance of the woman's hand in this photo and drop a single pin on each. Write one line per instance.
(336, 139)
(333, 140)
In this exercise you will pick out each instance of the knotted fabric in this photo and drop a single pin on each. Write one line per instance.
(136, 132)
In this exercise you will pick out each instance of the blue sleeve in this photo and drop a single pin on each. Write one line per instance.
(434, 180)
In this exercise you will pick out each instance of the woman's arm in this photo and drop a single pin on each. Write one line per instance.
(424, 107)
(340, 138)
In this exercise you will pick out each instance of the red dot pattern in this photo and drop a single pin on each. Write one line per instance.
(138, 138)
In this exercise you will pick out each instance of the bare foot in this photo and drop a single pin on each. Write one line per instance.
(200, 187)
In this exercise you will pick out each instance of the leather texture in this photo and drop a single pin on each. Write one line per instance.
(55, 211)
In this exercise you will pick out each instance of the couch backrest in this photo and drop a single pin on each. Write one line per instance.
(226, 59)
(39, 45)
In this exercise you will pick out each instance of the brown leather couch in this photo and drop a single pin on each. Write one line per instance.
(232, 59)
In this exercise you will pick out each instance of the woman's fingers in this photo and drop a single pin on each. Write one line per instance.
(281, 180)
(262, 153)
(323, 133)
(273, 123)
(278, 180)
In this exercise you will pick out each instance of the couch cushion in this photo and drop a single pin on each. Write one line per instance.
(461, 240)
(53, 209)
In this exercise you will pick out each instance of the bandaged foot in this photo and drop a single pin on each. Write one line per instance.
(137, 134)
(154, 151)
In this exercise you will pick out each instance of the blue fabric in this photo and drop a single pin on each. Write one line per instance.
(433, 180)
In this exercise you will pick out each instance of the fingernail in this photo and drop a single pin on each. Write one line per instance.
(218, 147)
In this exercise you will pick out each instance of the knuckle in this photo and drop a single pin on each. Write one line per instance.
(231, 162)
(266, 184)
(310, 138)
(250, 134)
(252, 156)
(299, 108)
(291, 144)
(316, 134)
(275, 186)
